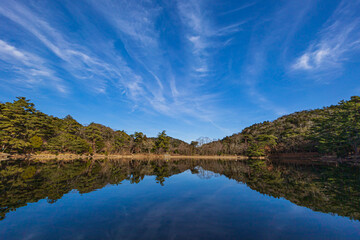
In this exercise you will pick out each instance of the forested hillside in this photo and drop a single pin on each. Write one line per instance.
(331, 130)
(23, 129)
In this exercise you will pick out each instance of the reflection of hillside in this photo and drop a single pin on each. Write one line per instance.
(321, 188)
(325, 189)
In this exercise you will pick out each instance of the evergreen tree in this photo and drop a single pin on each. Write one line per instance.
(93, 134)
(138, 140)
(121, 141)
(16, 125)
(162, 143)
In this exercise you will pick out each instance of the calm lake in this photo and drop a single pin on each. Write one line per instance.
(178, 199)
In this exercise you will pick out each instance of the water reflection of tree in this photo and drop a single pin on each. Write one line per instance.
(322, 188)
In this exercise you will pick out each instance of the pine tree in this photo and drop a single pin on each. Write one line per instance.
(162, 142)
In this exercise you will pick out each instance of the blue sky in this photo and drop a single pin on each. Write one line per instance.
(194, 68)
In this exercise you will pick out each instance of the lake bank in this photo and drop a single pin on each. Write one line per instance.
(313, 158)
(69, 156)
(309, 158)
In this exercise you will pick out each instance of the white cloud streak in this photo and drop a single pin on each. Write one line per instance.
(30, 68)
(245, 6)
(94, 73)
(203, 34)
(339, 38)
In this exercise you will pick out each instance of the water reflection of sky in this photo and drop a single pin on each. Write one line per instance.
(186, 207)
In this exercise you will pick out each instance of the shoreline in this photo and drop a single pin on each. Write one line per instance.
(287, 158)
(68, 156)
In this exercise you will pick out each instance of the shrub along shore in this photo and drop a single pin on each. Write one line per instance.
(331, 131)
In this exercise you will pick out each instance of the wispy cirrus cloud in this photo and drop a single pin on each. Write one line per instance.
(245, 6)
(30, 69)
(167, 92)
(338, 39)
(7, 51)
(133, 60)
(205, 36)
(135, 26)
(79, 61)
(280, 28)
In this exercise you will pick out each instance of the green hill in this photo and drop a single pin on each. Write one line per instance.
(333, 130)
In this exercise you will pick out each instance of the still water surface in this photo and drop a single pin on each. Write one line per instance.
(182, 199)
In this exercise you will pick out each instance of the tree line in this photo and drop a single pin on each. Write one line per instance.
(24, 129)
(330, 130)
